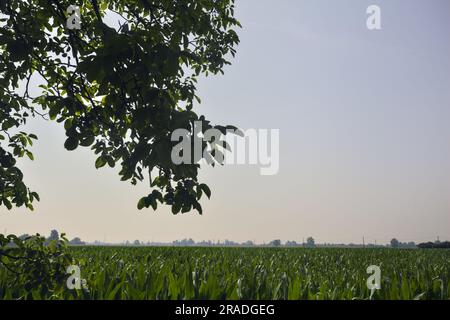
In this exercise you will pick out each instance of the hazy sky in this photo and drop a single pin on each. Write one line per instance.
(364, 136)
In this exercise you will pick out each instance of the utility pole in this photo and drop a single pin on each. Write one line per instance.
(364, 243)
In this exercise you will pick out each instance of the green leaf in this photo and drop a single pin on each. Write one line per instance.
(35, 195)
(7, 203)
(111, 162)
(71, 143)
(154, 204)
(100, 162)
(205, 189)
(18, 50)
(141, 203)
(87, 141)
(112, 293)
(157, 195)
(68, 124)
(198, 207)
(176, 207)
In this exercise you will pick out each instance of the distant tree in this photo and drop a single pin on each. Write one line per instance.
(24, 236)
(291, 244)
(275, 243)
(310, 242)
(407, 245)
(443, 245)
(189, 242)
(395, 243)
(184, 242)
(136, 243)
(425, 245)
(76, 241)
(54, 235)
(230, 243)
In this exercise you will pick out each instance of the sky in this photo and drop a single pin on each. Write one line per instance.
(364, 130)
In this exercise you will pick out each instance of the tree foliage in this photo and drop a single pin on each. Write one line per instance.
(394, 243)
(54, 235)
(121, 91)
(39, 266)
(310, 242)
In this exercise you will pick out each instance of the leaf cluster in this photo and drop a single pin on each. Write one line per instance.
(121, 91)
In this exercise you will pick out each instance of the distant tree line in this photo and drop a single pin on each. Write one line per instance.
(425, 245)
(397, 244)
(434, 245)
(54, 236)
(310, 243)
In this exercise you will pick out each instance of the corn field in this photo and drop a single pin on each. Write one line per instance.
(248, 273)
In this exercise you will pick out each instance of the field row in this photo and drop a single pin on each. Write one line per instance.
(249, 273)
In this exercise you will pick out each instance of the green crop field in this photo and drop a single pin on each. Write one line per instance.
(248, 273)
